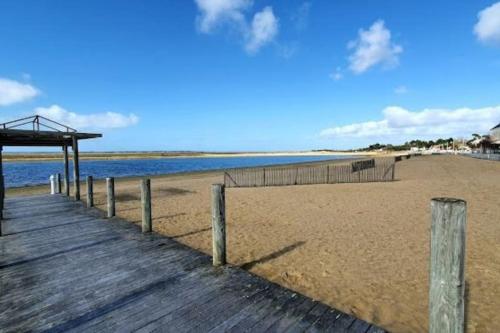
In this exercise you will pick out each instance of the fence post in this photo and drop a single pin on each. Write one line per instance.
(90, 191)
(58, 182)
(52, 180)
(218, 225)
(447, 280)
(393, 170)
(110, 186)
(147, 225)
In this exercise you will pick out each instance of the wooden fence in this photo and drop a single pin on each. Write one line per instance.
(373, 170)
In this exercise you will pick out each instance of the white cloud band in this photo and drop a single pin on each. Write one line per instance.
(399, 122)
(87, 121)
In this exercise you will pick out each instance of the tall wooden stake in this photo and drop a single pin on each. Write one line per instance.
(66, 170)
(218, 225)
(90, 192)
(147, 225)
(110, 186)
(76, 169)
(2, 190)
(447, 279)
(58, 183)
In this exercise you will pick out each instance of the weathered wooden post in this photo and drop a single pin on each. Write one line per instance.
(76, 169)
(90, 192)
(218, 225)
(58, 183)
(66, 170)
(447, 280)
(147, 225)
(52, 180)
(110, 186)
(2, 190)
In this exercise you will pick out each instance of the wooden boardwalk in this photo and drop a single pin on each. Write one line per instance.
(64, 268)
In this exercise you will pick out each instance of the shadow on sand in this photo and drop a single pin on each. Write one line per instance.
(271, 256)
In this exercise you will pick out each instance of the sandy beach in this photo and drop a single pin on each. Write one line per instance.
(362, 248)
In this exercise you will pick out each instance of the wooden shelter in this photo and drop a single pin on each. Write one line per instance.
(38, 131)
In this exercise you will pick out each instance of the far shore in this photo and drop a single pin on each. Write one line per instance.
(39, 157)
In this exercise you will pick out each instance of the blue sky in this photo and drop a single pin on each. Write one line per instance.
(259, 75)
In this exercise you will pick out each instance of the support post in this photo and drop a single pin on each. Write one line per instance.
(2, 190)
(52, 181)
(218, 225)
(147, 225)
(110, 186)
(66, 170)
(447, 280)
(58, 183)
(76, 169)
(90, 192)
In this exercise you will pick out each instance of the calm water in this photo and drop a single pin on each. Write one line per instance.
(35, 173)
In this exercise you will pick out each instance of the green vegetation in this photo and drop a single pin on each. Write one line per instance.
(410, 144)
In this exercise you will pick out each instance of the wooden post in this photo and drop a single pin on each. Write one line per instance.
(76, 169)
(2, 190)
(90, 192)
(218, 225)
(447, 280)
(393, 170)
(147, 225)
(58, 183)
(66, 170)
(52, 181)
(110, 185)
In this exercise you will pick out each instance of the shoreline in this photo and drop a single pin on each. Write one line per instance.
(113, 156)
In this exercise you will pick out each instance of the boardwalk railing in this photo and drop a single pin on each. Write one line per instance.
(371, 170)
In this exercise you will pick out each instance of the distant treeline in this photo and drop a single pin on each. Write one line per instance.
(410, 144)
(406, 146)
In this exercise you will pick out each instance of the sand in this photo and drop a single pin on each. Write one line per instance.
(362, 248)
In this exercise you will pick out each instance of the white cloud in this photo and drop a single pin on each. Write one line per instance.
(85, 121)
(262, 31)
(213, 13)
(12, 92)
(373, 47)
(401, 90)
(337, 74)
(487, 29)
(399, 122)
(300, 18)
